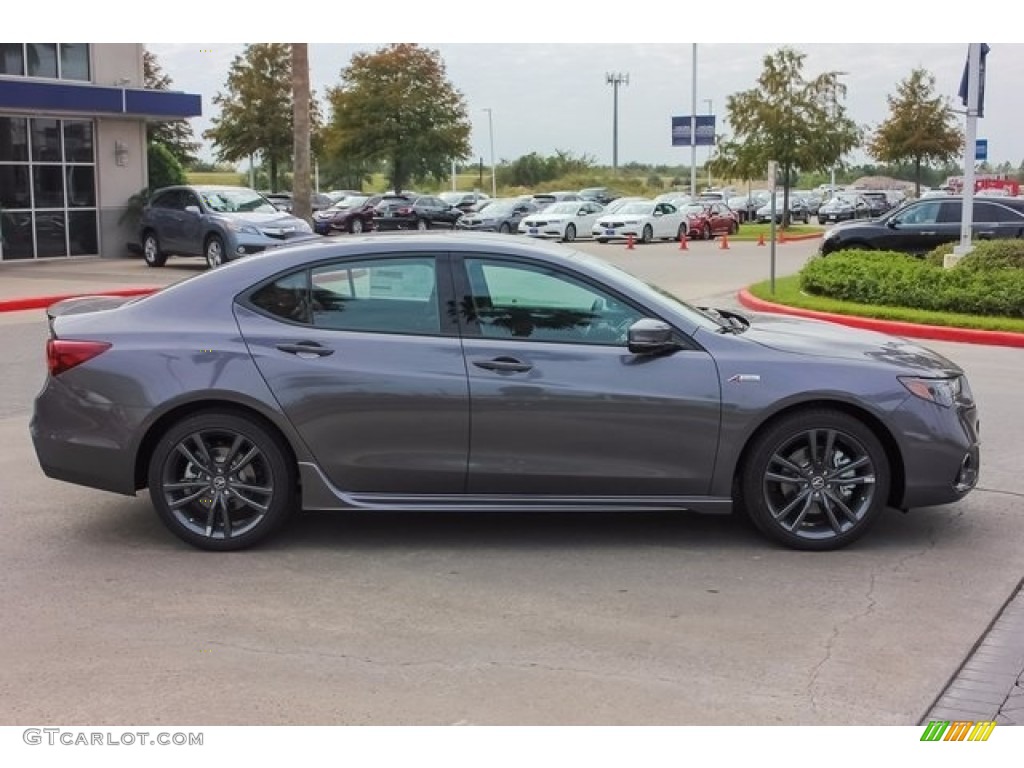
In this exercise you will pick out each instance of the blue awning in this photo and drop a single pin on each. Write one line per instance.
(84, 98)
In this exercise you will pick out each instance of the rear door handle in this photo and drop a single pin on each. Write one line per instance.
(503, 365)
(306, 349)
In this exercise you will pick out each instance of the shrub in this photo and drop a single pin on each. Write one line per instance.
(887, 278)
(164, 168)
(987, 254)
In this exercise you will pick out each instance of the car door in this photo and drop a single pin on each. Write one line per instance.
(165, 215)
(921, 227)
(368, 370)
(561, 407)
(666, 220)
(993, 220)
(192, 230)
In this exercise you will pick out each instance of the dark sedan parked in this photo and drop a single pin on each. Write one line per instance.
(924, 224)
(352, 214)
(480, 372)
(422, 212)
(501, 215)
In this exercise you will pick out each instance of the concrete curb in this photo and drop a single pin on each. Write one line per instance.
(913, 330)
(42, 302)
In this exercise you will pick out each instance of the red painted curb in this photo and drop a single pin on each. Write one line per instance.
(42, 302)
(914, 330)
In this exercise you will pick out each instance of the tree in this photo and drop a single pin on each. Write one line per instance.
(798, 123)
(175, 135)
(256, 112)
(396, 105)
(301, 187)
(921, 127)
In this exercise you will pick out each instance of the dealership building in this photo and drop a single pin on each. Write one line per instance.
(73, 145)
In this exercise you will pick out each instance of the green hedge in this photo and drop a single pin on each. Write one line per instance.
(989, 281)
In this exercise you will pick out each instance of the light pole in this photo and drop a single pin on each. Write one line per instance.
(490, 133)
(615, 79)
(711, 147)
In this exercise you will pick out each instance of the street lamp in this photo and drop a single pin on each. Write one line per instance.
(615, 79)
(711, 147)
(490, 133)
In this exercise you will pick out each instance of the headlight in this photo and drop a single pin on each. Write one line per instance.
(943, 392)
(247, 229)
(303, 226)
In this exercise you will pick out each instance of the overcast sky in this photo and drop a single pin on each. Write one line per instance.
(551, 93)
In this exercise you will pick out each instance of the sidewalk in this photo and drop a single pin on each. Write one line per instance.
(35, 284)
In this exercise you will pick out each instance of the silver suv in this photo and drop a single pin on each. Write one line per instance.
(219, 223)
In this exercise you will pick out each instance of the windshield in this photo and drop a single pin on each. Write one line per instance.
(651, 292)
(236, 200)
(635, 208)
(562, 208)
(500, 209)
(694, 209)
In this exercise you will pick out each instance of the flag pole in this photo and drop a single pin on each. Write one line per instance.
(970, 141)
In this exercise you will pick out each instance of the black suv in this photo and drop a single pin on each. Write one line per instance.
(922, 225)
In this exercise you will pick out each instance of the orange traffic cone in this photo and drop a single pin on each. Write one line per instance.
(682, 242)
(781, 239)
(724, 245)
(760, 239)
(629, 243)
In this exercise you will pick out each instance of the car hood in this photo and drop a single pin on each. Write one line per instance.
(818, 338)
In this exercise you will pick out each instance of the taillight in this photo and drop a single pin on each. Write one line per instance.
(64, 354)
(404, 211)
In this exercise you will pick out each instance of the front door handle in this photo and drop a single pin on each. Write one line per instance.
(306, 349)
(503, 365)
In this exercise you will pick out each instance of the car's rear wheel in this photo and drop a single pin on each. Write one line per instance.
(151, 252)
(422, 224)
(733, 227)
(214, 251)
(504, 229)
(705, 233)
(570, 233)
(681, 232)
(815, 480)
(220, 481)
(647, 235)
(356, 226)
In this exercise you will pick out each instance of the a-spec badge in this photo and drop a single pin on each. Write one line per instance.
(741, 378)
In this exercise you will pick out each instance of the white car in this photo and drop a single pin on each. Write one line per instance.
(645, 221)
(565, 220)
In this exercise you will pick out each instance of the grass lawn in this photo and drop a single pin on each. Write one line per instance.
(750, 231)
(216, 177)
(787, 292)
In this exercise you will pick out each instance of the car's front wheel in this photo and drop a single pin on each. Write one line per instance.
(356, 226)
(214, 251)
(422, 224)
(647, 235)
(220, 481)
(151, 252)
(570, 233)
(815, 479)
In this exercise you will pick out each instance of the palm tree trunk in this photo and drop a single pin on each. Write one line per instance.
(302, 193)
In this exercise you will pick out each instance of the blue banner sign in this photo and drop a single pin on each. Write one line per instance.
(705, 131)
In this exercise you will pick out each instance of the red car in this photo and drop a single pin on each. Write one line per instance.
(707, 219)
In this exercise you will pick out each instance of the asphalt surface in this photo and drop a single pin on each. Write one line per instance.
(655, 619)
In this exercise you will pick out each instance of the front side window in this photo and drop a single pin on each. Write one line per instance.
(531, 302)
(925, 213)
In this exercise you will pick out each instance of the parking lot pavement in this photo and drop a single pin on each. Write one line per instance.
(564, 619)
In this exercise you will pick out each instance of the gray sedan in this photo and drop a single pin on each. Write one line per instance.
(480, 372)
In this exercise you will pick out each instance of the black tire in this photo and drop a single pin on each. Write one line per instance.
(151, 252)
(355, 227)
(213, 250)
(647, 235)
(705, 233)
(602, 240)
(815, 480)
(733, 228)
(207, 502)
(570, 233)
(504, 229)
(422, 225)
(681, 232)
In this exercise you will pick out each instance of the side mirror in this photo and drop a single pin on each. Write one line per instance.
(193, 209)
(650, 337)
(893, 223)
